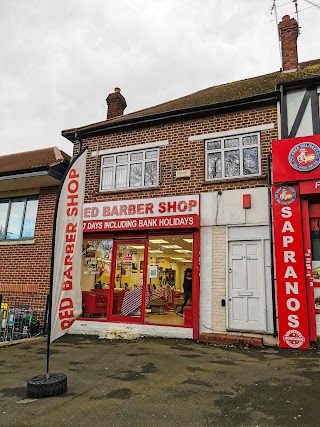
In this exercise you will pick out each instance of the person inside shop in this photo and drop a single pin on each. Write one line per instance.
(187, 289)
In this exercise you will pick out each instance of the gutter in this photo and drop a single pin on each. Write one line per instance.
(44, 172)
(167, 116)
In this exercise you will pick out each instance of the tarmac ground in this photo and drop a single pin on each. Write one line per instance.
(160, 382)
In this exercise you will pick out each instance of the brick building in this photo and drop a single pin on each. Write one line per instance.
(29, 184)
(184, 185)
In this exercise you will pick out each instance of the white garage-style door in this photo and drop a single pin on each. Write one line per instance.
(246, 294)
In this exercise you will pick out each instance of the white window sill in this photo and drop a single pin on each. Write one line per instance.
(17, 242)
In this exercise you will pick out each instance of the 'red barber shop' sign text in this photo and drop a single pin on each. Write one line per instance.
(151, 213)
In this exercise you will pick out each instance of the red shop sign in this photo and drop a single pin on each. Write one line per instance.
(296, 159)
(290, 271)
(156, 213)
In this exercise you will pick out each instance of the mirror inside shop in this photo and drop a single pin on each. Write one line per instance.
(157, 271)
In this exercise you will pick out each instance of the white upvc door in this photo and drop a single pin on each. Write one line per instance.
(247, 305)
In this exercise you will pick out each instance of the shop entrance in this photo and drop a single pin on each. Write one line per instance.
(141, 280)
(312, 239)
(128, 291)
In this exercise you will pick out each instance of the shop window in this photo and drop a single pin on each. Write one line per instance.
(96, 265)
(169, 259)
(233, 157)
(18, 218)
(130, 268)
(135, 169)
(315, 244)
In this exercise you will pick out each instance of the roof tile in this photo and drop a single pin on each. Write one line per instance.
(31, 160)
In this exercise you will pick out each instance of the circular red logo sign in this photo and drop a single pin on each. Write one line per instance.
(285, 195)
(294, 338)
(304, 157)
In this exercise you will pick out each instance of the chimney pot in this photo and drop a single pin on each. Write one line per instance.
(116, 104)
(288, 32)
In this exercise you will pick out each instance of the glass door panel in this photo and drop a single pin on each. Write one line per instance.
(129, 281)
(95, 276)
(315, 245)
(169, 263)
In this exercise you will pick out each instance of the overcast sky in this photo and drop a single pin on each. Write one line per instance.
(61, 58)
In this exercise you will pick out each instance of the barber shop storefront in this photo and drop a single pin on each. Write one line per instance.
(296, 216)
(136, 255)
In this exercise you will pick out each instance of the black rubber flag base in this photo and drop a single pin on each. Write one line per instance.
(47, 385)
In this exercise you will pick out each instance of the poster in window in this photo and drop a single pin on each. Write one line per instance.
(153, 272)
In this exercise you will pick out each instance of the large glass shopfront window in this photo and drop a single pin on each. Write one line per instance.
(138, 280)
(168, 259)
(315, 245)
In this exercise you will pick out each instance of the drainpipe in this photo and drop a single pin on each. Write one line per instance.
(77, 138)
(273, 287)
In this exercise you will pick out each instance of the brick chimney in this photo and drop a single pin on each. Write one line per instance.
(288, 32)
(116, 104)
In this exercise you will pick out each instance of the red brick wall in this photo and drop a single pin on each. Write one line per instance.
(182, 154)
(25, 269)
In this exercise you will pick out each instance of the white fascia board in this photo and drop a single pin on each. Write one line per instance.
(127, 148)
(231, 132)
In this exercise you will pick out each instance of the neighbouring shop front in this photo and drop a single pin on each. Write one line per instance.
(296, 215)
(135, 257)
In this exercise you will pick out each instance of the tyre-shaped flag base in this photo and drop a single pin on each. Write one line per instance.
(46, 385)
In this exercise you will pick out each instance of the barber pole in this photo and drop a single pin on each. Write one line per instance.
(290, 268)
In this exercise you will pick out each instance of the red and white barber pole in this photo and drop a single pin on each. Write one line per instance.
(66, 269)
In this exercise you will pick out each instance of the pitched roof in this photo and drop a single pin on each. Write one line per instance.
(32, 160)
(260, 86)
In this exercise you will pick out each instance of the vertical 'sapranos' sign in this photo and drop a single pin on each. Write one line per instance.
(290, 268)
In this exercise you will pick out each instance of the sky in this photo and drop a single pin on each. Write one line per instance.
(60, 59)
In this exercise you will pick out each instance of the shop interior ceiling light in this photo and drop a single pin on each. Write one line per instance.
(183, 251)
(155, 251)
(171, 247)
(158, 241)
(178, 259)
(136, 246)
(188, 240)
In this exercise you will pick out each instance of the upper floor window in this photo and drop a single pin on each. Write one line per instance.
(18, 218)
(233, 157)
(134, 169)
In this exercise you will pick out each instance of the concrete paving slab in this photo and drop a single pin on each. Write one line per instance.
(160, 382)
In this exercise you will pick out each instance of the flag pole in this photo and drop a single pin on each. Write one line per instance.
(52, 255)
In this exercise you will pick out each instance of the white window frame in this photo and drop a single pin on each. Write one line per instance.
(129, 162)
(222, 150)
(10, 201)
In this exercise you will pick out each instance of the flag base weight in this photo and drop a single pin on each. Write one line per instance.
(46, 385)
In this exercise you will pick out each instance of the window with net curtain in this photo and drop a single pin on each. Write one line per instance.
(18, 218)
(233, 157)
(135, 169)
